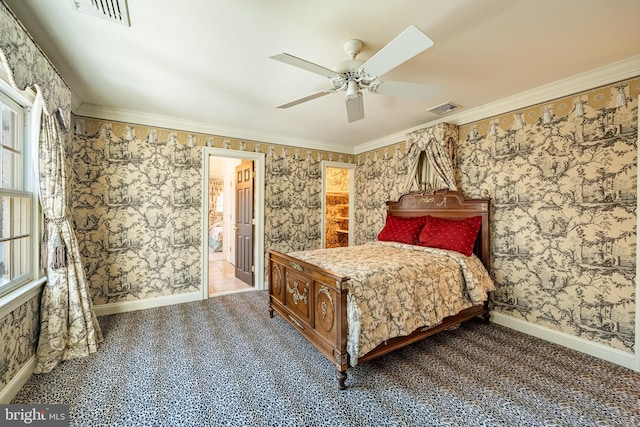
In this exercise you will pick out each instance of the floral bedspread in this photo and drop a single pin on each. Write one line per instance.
(396, 288)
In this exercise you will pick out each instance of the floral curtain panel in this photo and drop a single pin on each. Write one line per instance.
(437, 144)
(68, 327)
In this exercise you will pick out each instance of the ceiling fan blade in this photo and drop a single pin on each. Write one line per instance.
(407, 90)
(405, 46)
(355, 108)
(307, 98)
(305, 65)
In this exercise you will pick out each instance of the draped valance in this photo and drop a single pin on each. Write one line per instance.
(437, 142)
(28, 66)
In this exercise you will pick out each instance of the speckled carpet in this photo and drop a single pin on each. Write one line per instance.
(224, 362)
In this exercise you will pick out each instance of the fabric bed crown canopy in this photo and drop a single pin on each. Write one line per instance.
(437, 142)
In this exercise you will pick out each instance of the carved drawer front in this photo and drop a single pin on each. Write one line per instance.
(325, 311)
(276, 280)
(298, 297)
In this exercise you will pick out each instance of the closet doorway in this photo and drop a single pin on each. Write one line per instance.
(338, 190)
(220, 221)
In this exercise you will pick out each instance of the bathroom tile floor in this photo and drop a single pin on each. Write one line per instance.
(222, 279)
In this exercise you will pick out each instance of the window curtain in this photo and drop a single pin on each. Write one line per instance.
(438, 145)
(68, 325)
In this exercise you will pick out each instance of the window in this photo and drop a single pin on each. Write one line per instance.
(16, 199)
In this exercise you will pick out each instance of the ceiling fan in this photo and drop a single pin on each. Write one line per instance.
(354, 75)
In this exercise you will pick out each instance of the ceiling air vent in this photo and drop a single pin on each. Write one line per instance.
(445, 108)
(112, 10)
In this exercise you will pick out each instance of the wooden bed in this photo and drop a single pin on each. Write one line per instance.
(314, 299)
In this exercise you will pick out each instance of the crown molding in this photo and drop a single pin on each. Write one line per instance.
(166, 122)
(75, 102)
(592, 79)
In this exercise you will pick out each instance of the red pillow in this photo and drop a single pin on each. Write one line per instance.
(452, 234)
(401, 229)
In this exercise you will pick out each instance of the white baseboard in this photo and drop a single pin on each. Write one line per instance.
(13, 387)
(126, 306)
(619, 357)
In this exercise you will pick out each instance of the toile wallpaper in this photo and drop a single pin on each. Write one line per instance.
(562, 179)
(19, 332)
(137, 205)
(293, 197)
(380, 176)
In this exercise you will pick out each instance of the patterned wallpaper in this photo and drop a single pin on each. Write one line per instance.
(562, 178)
(380, 176)
(293, 197)
(137, 200)
(337, 179)
(18, 338)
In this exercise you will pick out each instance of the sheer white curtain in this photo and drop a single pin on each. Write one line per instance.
(68, 325)
(438, 145)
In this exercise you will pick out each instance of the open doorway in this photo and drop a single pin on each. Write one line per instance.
(337, 204)
(222, 219)
(220, 222)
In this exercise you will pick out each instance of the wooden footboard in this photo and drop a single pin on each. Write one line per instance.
(314, 301)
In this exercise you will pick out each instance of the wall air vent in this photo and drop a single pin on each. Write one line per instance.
(112, 10)
(445, 108)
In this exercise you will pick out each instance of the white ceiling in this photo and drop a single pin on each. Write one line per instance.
(204, 64)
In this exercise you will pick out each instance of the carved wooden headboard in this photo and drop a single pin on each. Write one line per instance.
(448, 204)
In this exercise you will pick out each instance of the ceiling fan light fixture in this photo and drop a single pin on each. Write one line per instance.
(352, 90)
(355, 75)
